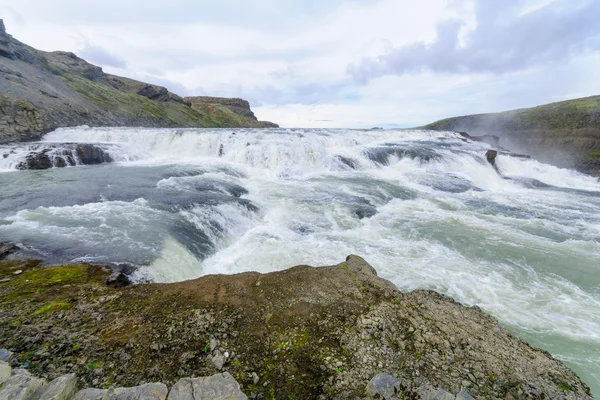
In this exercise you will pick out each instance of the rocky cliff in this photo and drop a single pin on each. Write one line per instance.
(301, 333)
(41, 91)
(566, 134)
(229, 112)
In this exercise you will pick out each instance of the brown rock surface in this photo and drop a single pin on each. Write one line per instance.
(299, 333)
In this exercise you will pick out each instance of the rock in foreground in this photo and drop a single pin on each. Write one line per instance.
(300, 333)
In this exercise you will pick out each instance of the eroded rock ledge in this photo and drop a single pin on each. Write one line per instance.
(300, 333)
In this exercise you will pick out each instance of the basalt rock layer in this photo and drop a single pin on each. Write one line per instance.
(41, 91)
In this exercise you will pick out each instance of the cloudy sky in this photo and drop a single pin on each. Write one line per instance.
(334, 63)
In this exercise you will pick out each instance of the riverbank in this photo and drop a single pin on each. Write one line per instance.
(299, 333)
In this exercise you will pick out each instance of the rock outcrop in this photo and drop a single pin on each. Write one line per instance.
(303, 332)
(231, 112)
(41, 91)
(43, 156)
(20, 384)
(565, 134)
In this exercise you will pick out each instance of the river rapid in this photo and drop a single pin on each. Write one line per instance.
(424, 208)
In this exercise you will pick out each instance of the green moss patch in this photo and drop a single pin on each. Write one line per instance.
(52, 307)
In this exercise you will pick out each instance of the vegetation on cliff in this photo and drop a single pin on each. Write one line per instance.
(565, 133)
(41, 91)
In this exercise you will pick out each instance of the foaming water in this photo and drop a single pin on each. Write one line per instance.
(424, 208)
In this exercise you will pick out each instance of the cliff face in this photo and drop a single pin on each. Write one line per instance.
(229, 112)
(566, 134)
(41, 91)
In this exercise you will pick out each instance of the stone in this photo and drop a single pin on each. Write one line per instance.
(5, 371)
(20, 386)
(5, 250)
(5, 355)
(255, 378)
(148, 391)
(218, 360)
(88, 154)
(90, 394)
(382, 386)
(428, 392)
(60, 162)
(36, 161)
(217, 387)
(463, 395)
(61, 388)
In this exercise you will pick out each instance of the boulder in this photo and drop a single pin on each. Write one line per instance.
(149, 391)
(39, 160)
(383, 386)
(463, 395)
(428, 392)
(5, 250)
(5, 355)
(217, 387)
(61, 388)
(491, 155)
(154, 92)
(89, 154)
(20, 386)
(5, 371)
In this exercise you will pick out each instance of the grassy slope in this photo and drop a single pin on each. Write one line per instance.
(132, 105)
(570, 114)
(571, 127)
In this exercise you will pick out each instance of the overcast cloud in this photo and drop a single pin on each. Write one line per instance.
(340, 63)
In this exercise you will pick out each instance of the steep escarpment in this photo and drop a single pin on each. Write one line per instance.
(566, 134)
(301, 333)
(41, 91)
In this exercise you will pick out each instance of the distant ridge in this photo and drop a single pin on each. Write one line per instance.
(565, 134)
(41, 91)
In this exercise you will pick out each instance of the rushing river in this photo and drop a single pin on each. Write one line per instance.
(424, 208)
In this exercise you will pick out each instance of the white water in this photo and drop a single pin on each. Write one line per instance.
(424, 208)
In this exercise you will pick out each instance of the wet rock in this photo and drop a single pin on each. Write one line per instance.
(61, 388)
(217, 387)
(5, 250)
(60, 162)
(148, 391)
(20, 386)
(119, 280)
(88, 154)
(36, 161)
(491, 155)
(383, 386)
(5, 371)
